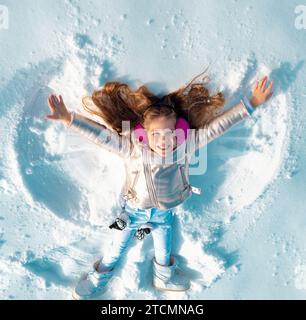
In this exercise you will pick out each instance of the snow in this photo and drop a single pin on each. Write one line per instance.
(243, 238)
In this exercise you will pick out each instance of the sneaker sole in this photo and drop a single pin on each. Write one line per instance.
(75, 296)
(164, 289)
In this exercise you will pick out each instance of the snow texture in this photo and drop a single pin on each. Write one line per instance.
(243, 238)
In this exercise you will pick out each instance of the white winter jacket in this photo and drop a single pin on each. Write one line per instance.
(151, 180)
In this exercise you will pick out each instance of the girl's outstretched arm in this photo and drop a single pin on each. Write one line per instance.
(227, 119)
(92, 130)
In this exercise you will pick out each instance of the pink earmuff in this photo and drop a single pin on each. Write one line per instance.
(181, 123)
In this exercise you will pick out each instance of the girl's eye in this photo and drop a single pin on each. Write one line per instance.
(167, 134)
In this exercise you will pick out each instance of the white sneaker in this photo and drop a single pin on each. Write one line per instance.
(92, 284)
(169, 278)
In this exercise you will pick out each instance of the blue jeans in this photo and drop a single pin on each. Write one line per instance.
(161, 223)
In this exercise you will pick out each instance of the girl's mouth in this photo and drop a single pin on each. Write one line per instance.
(163, 149)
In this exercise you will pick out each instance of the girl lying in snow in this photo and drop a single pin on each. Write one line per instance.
(156, 153)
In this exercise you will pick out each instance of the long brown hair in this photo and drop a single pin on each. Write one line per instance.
(116, 102)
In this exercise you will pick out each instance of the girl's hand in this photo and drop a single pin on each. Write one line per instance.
(260, 93)
(58, 109)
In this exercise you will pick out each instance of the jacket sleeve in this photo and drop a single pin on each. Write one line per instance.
(220, 124)
(101, 135)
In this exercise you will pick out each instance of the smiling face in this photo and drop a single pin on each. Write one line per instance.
(161, 135)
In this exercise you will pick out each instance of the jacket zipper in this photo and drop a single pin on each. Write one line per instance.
(195, 190)
(185, 183)
(151, 189)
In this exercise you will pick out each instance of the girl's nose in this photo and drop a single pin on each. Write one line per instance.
(164, 139)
